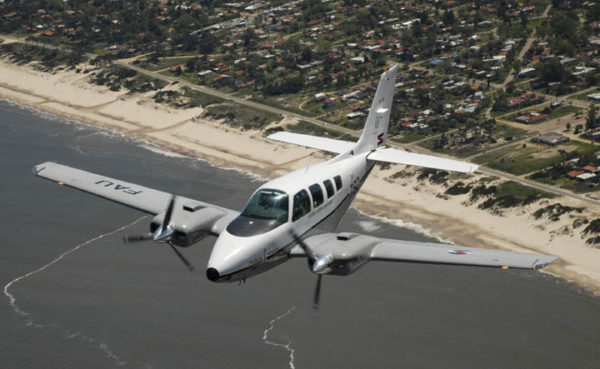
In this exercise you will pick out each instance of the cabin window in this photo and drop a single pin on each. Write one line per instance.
(317, 194)
(301, 205)
(268, 204)
(338, 182)
(329, 188)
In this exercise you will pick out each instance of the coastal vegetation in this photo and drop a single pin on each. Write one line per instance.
(486, 192)
(512, 194)
(308, 128)
(593, 230)
(555, 211)
(116, 78)
(48, 58)
(240, 116)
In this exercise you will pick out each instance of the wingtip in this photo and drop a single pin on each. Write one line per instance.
(392, 70)
(38, 168)
(544, 261)
(473, 168)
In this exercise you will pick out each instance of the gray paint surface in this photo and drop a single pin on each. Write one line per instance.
(140, 305)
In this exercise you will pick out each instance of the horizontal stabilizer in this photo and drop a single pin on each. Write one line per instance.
(320, 143)
(390, 155)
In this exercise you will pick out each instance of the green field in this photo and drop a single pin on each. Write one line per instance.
(511, 194)
(552, 114)
(583, 96)
(315, 130)
(534, 157)
(501, 133)
(166, 63)
(410, 137)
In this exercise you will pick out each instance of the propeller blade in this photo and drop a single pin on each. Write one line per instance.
(185, 261)
(169, 213)
(304, 246)
(317, 295)
(142, 237)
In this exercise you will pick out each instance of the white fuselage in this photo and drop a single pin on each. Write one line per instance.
(239, 254)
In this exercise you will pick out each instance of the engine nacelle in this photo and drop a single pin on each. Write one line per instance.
(346, 252)
(192, 222)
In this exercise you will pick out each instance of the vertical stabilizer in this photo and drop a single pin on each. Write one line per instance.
(375, 132)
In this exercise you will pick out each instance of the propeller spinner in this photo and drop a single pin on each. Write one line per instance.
(163, 234)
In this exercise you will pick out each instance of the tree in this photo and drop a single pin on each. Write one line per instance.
(248, 36)
(449, 18)
(552, 71)
(591, 120)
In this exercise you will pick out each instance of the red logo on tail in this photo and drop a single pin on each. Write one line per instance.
(380, 139)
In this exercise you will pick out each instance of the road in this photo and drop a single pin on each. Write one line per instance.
(525, 48)
(235, 99)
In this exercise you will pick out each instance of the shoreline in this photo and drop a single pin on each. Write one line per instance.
(399, 201)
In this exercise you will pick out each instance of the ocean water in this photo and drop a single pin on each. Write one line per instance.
(75, 296)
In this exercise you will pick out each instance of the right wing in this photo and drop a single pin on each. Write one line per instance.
(138, 197)
(437, 253)
(347, 246)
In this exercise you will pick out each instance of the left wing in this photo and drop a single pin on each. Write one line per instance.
(348, 246)
(138, 197)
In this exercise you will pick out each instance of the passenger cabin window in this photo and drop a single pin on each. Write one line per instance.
(317, 194)
(268, 204)
(301, 205)
(329, 188)
(338, 182)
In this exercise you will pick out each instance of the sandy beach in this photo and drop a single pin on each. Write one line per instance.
(402, 201)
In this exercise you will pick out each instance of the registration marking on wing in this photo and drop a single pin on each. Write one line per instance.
(459, 252)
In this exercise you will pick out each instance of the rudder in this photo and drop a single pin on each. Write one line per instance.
(375, 132)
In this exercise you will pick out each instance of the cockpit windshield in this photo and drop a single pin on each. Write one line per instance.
(268, 204)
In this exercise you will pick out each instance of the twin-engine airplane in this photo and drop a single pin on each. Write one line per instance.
(274, 225)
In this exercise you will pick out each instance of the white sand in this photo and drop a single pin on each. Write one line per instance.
(403, 200)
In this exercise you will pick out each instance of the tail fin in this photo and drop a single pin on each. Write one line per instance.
(375, 132)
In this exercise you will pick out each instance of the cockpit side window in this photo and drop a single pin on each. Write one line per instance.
(301, 205)
(317, 194)
(329, 188)
(338, 182)
(268, 204)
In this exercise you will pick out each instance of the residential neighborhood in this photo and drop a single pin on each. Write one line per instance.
(475, 75)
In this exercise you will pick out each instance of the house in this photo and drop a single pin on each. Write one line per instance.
(594, 97)
(532, 117)
(355, 114)
(585, 176)
(551, 139)
(575, 173)
(526, 72)
(320, 97)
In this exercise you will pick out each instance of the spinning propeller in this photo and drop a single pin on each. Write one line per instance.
(163, 234)
(320, 266)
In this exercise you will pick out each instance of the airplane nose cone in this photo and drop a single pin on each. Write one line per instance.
(212, 274)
